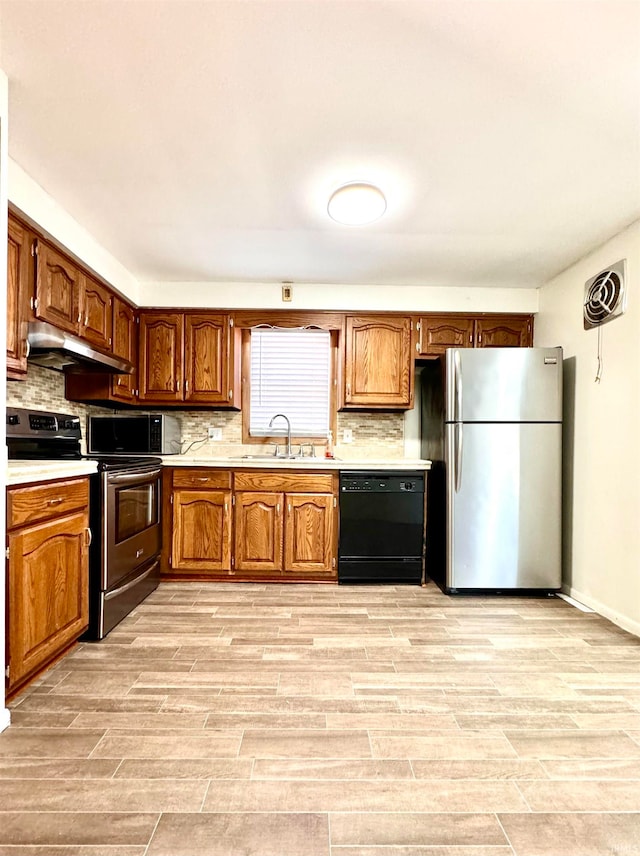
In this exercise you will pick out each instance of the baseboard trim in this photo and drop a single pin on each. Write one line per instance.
(605, 611)
(5, 718)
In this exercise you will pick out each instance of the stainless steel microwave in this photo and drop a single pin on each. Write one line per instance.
(142, 434)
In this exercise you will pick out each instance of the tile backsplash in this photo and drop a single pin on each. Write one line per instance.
(375, 434)
(44, 390)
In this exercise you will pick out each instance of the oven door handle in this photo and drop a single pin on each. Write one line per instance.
(130, 478)
(131, 583)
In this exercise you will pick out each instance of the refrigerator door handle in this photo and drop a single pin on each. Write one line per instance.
(457, 383)
(458, 455)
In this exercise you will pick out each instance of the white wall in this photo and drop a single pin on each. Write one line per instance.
(4, 713)
(602, 435)
(36, 204)
(241, 295)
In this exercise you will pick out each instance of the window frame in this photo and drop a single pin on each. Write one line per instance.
(246, 388)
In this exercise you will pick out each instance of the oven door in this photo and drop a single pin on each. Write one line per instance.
(132, 530)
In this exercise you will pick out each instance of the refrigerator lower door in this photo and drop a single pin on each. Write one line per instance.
(503, 506)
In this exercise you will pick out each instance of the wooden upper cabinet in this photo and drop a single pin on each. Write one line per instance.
(18, 250)
(57, 297)
(439, 332)
(378, 362)
(161, 353)
(511, 331)
(309, 533)
(258, 532)
(207, 358)
(96, 315)
(201, 536)
(124, 343)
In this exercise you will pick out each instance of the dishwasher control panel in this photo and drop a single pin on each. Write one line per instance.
(381, 482)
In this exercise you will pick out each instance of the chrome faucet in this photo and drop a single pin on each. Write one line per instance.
(286, 418)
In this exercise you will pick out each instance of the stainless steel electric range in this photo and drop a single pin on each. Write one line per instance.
(124, 514)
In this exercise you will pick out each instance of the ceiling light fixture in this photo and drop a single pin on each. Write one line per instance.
(356, 204)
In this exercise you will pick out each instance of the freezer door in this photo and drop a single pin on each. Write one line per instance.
(503, 506)
(503, 385)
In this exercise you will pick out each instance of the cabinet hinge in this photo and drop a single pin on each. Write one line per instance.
(233, 499)
(233, 561)
(6, 553)
(230, 322)
(7, 672)
(34, 248)
(418, 325)
(171, 499)
(34, 302)
(335, 502)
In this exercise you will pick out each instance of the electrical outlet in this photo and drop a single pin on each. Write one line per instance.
(347, 435)
(215, 433)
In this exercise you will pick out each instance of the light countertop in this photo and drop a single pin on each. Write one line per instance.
(24, 472)
(271, 463)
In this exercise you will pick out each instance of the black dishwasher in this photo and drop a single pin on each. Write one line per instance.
(381, 527)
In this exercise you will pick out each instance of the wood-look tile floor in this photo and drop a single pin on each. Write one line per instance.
(228, 720)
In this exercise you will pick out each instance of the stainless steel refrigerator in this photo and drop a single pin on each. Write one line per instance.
(492, 425)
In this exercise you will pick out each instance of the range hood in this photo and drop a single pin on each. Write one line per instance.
(55, 349)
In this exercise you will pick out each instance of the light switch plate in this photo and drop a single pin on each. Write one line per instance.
(347, 435)
(215, 433)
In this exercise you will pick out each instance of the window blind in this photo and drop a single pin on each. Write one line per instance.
(290, 374)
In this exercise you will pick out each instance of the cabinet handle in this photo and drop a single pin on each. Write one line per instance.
(203, 478)
(177, 386)
(289, 508)
(186, 386)
(230, 395)
(277, 508)
(86, 320)
(348, 389)
(89, 537)
(34, 302)
(79, 317)
(56, 501)
(226, 508)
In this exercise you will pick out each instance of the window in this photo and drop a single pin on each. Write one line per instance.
(290, 372)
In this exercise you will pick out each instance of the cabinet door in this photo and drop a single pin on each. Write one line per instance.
(17, 294)
(160, 364)
(125, 345)
(201, 531)
(513, 331)
(206, 364)
(96, 324)
(258, 532)
(378, 362)
(308, 539)
(48, 604)
(439, 332)
(57, 289)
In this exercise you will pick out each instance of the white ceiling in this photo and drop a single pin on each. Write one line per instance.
(200, 141)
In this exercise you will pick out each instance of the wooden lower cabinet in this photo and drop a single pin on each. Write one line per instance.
(47, 578)
(285, 525)
(258, 532)
(262, 525)
(201, 530)
(308, 531)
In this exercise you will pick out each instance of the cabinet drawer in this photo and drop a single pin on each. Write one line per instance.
(299, 482)
(201, 478)
(30, 504)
